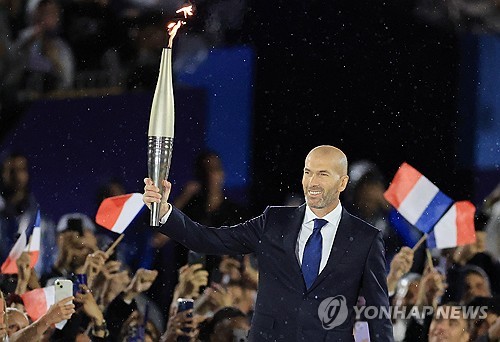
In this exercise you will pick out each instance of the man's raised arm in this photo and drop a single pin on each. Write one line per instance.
(242, 238)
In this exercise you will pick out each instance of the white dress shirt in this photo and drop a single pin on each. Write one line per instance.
(328, 233)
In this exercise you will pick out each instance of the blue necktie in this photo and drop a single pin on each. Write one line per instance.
(312, 253)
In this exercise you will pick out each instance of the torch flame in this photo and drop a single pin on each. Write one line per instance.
(186, 10)
(173, 27)
(172, 31)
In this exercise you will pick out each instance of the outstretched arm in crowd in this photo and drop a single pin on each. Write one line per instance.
(92, 310)
(58, 312)
(191, 278)
(115, 282)
(400, 265)
(123, 305)
(431, 288)
(179, 324)
(26, 276)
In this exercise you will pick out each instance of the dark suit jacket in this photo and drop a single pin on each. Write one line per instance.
(285, 309)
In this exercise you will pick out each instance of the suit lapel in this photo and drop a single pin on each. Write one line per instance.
(290, 236)
(343, 238)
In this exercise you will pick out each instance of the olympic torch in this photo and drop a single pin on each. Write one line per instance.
(161, 120)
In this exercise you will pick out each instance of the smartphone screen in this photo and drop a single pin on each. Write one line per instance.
(81, 279)
(63, 289)
(184, 304)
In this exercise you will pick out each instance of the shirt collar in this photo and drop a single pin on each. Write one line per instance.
(332, 217)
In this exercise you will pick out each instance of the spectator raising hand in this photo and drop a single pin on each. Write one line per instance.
(93, 265)
(493, 331)
(60, 311)
(142, 281)
(178, 322)
(250, 274)
(92, 310)
(115, 281)
(23, 273)
(431, 287)
(191, 278)
(400, 265)
(230, 268)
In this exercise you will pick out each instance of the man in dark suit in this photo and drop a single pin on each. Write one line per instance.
(314, 260)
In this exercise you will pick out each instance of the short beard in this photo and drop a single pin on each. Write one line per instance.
(315, 206)
(323, 202)
(319, 205)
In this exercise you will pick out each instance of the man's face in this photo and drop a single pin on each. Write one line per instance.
(77, 246)
(453, 330)
(15, 173)
(475, 286)
(321, 182)
(48, 16)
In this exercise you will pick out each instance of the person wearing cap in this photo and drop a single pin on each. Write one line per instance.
(75, 241)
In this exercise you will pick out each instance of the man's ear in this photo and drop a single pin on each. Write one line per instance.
(343, 182)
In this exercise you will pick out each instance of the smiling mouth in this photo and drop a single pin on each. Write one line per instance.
(314, 192)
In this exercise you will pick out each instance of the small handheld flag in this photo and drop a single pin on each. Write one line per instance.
(116, 213)
(456, 227)
(38, 301)
(28, 241)
(416, 198)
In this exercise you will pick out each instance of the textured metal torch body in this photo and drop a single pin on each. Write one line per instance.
(161, 131)
(159, 156)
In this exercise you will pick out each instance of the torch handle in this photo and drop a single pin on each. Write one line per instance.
(159, 156)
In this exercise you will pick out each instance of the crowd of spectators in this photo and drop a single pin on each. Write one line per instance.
(68, 48)
(130, 298)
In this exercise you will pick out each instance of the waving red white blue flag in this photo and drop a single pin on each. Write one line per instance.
(116, 213)
(456, 227)
(37, 302)
(418, 200)
(28, 241)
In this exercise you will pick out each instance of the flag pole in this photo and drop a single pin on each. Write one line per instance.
(29, 243)
(429, 258)
(111, 248)
(420, 242)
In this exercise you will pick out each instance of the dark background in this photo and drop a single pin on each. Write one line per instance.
(366, 76)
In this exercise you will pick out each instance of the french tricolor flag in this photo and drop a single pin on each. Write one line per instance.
(116, 213)
(456, 227)
(416, 198)
(37, 302)
(28, 241)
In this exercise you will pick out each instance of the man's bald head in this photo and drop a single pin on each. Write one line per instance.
(337, 157)
(324, 178)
